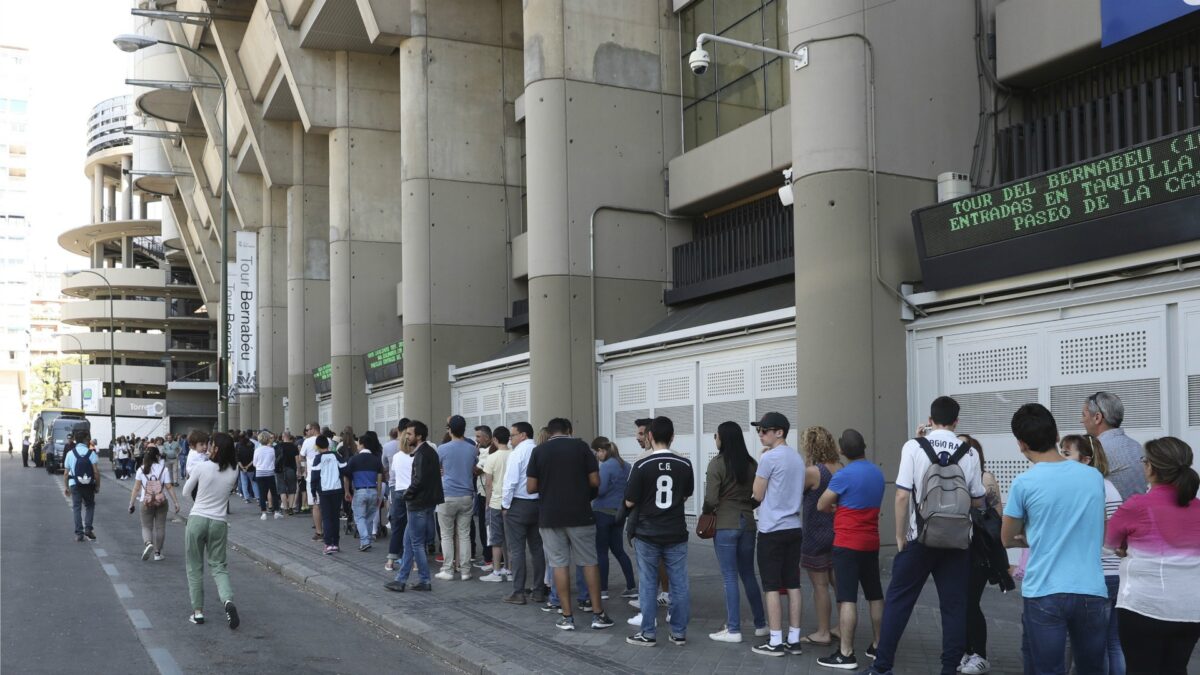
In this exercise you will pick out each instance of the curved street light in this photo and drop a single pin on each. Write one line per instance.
(78, 342)
(132, 43)
(112, 359)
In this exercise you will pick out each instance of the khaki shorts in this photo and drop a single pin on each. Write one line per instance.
(567, 546)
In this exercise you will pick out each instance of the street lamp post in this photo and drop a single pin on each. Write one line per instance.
(133, 43)
(112, 357)
(77, 341)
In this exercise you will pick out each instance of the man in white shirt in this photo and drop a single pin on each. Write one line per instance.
(520, 509)
(308, 450)
(914, 561)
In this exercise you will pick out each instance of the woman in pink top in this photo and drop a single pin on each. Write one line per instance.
(1158, 535)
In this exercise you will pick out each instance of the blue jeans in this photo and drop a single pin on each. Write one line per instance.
(366, 502)
(398, 519)
(910, 569)
(674, 556)
(418, 531)
(1048, 620)
(1116, 656)
(249, 488)
(83, 506)
(735, 555)
(610, 538)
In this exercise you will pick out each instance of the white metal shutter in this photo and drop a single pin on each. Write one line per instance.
(1189, 337)
(516, 403)
(325, 413)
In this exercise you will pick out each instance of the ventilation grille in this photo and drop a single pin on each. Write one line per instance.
(725, 411)
(721, 383)
(491, 401)
(1194, 400)
(491, 421)
(777, 377)
(470, 406)
(675, 389)
(517, 399)
(683, 416)
(1126, 350)
(633, 393)
(1002, 364)
(625, 421)
(990, 412)
(1142, 399)
(1005, 471)
(780, 404)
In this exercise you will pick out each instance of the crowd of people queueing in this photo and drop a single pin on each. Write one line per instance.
(1110, 530)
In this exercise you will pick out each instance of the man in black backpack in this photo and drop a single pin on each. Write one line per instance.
(932, 537)
(81, 482)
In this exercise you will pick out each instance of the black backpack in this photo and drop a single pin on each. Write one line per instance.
(83, 472)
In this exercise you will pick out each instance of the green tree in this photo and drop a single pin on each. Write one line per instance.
(49, 385)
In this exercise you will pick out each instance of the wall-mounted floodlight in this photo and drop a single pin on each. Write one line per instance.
(699, 59)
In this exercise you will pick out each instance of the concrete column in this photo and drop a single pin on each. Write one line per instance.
(272, 309)
(851, 332)
(307, 273)
(142, 208)
(602, 118)
(97, 256)
(247, 411)
(98, 194)
(126, 188)
(364, 224)
(460, 183)
(110, 202)
(126, 252)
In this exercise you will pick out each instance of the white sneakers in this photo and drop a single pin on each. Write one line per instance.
(724, 635)
(493, 577)
(444, 575)
(635, 620)
(974, 664)
(664, 599)
(465, 576)
(263, 516)
(278, 515)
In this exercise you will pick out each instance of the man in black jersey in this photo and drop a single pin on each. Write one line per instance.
(659, 486)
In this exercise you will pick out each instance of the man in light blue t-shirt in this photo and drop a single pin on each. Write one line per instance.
(1056, 509)
(779, 489)
(458, 458)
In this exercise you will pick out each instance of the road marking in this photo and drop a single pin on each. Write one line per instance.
(110, 570)
(100, 553)
(123, 591)
(139, 619)
(165, 662)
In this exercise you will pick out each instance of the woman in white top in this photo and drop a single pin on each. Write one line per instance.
(207, 530)
(152, 487)
(122, 456)
(1086, 449)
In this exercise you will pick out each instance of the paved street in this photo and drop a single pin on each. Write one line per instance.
(69, 607)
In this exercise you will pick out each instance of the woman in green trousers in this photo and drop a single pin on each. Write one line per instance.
(209, 486)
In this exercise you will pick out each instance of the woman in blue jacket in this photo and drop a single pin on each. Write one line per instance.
(614, 473)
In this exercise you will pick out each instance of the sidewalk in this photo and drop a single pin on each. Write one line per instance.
(467, 624)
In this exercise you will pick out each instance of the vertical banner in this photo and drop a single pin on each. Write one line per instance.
(86, 395)
(231, 294)
(245, 339)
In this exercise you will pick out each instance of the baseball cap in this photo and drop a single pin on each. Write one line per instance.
(773, 420)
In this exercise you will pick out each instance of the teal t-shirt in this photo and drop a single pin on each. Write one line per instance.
(1062, 504)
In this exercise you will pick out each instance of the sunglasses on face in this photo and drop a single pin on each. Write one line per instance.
(763, 431)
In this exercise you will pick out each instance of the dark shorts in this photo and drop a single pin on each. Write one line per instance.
(852, 568)
(495, 527)
(779, 559)
(285, 481)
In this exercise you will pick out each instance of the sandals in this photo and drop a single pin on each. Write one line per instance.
(808, 640)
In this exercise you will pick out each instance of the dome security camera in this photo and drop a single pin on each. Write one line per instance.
(698, 61)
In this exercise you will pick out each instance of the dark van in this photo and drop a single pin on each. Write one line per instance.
(62, 430)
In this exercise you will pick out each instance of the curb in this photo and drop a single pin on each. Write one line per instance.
(462, 655)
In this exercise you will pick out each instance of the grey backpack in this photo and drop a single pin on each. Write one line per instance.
(944, 510)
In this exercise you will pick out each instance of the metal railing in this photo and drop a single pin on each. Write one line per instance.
(150, 246)
(1132, 100)
(744, 238)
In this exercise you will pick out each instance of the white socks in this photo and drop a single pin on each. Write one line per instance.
(793, 635)
(776, 638)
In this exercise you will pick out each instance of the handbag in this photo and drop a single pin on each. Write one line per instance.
(706, 526)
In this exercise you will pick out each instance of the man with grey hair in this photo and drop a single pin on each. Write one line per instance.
(1103, 413)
